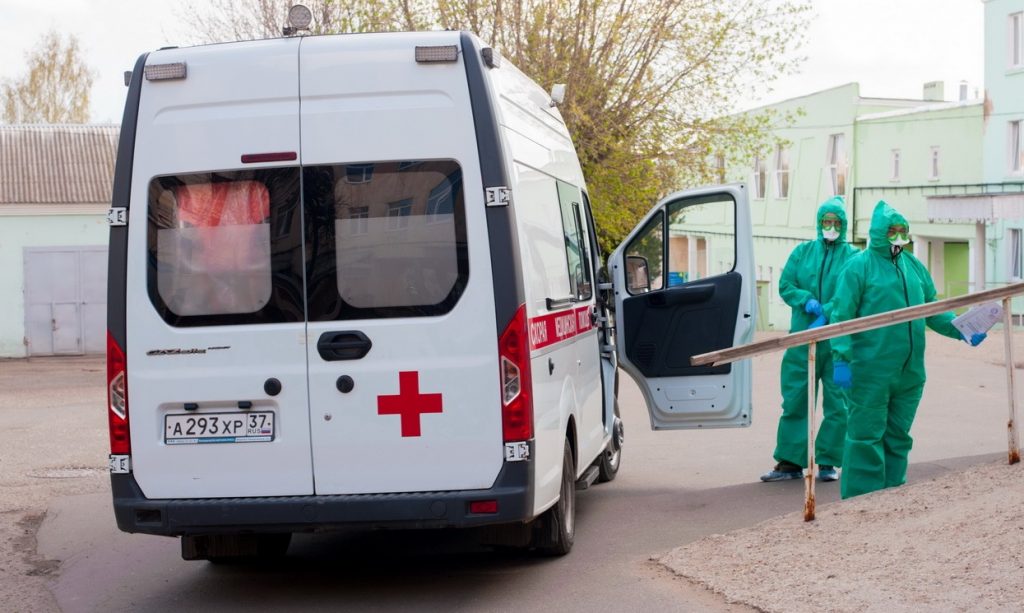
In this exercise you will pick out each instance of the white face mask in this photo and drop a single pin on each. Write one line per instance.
(899, 242)
(830, 234)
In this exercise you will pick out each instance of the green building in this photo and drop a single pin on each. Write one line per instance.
(863, 149)
(996, 207)
(912, 157)
(954, 168)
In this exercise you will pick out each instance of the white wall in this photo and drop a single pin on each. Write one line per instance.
(20, 231)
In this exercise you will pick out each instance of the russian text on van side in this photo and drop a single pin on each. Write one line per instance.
(554, 327)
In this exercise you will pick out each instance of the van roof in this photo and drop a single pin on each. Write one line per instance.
(441, 34)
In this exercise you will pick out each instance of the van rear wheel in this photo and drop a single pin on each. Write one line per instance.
(555, 530)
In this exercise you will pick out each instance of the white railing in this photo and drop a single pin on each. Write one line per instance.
(811, 337)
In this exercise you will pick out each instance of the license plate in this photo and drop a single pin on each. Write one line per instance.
(233, 427)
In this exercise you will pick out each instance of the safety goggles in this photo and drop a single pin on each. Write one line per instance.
(898, 233)
(829, 224)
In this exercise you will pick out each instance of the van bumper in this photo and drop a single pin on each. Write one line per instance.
(135, 513)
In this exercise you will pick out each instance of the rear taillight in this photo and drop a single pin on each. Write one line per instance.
(117, 398)
(514, 365)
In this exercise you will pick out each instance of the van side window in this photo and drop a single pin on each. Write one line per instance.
(702, 238)
(577, 250)
(393, 245)
(645, 257)
(213, 240)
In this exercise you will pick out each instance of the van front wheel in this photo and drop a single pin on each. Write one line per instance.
(555, 530)
(611, 457)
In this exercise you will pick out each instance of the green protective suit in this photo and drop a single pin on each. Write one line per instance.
(887, 363)
(811, 272)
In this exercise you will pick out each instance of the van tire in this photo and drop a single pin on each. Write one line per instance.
(555, 530)
(611, 458)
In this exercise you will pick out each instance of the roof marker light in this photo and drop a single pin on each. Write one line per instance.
(557, 94)
(446, 53)
(491, 57)
(163, 72)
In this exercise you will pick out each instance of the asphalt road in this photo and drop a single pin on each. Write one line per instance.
(673, 488)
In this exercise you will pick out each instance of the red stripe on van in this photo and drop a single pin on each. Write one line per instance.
(280, 156)
(557, 327)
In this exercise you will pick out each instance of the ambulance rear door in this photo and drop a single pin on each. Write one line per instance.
(402, 341)
(684, 285)
(215, 320)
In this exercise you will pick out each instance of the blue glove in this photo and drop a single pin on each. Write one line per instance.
(841, 375)
(817, 323)
(813, 307)
(975, 339)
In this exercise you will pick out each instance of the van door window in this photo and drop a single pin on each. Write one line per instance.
(392, 244)
(702, 239)
(644, 257)
(577, 251)
(218, 247)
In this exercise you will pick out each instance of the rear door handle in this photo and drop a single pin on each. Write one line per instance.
(345, 345)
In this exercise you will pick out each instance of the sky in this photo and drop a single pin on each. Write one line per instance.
(891, 47)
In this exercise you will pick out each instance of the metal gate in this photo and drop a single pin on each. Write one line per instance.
(65, 300)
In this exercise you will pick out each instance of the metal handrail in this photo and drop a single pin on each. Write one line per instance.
(861, 324)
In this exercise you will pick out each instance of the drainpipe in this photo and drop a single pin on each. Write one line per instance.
(851, 179)
(979, 256)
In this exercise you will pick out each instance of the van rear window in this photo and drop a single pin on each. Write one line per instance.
(390, 244)
(212, 244)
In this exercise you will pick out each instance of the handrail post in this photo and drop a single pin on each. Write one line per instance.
(1011, 426)
(811, 410)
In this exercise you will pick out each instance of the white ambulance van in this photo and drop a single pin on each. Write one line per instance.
(354, 283)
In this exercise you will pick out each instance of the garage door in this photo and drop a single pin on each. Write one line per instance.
(65, 300)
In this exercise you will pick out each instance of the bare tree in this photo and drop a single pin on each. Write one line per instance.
(220, 20)
(652, 85)
(56, 87)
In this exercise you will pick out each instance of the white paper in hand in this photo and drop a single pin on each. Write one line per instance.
(978, 319)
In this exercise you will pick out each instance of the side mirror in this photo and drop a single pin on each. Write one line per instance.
(638, 275)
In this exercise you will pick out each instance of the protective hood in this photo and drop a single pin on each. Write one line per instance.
(836, 206)
(883, 217)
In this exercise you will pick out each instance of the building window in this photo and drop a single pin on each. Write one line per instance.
(837, 164)
(760, 176)
(1015, 44)
(399, 214)
(933, 164)
(895, 165)
(781, 171)
(1016, 264)
(358, 173)
(359, 220)
(720, 167)
(1016, 144)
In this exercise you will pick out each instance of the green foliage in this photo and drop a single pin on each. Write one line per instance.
(56, 87)
(651, 85)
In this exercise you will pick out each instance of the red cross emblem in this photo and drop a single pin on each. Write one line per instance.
(409, 403)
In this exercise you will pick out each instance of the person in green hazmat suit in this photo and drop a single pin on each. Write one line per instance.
(807, 285)
(883, 368)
